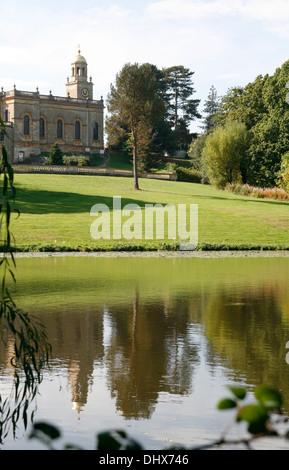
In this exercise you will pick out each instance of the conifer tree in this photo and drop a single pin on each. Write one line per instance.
(180, 90)
(210, 110)
(56, 155)
(182, 109)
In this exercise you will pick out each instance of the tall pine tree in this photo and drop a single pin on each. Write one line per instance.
(182, 109)
(210, 110)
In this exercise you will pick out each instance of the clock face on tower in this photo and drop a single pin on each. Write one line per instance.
(85, 92)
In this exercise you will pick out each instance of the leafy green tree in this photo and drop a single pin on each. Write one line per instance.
(283, 176)
(223, 152)
(133, 104)
(270, 135)
(56, 155)
(195, 154)
(263, 107)
(196, 149)
(243, 104)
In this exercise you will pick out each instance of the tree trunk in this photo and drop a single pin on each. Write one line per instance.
(230, 176)
(135, 175)
(176, 109)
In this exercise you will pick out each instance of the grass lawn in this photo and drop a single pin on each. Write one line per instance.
(55, 212)
(120, 161)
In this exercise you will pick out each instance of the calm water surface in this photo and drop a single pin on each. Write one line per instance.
(149, 345)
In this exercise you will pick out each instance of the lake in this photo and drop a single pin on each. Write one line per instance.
(149, 344)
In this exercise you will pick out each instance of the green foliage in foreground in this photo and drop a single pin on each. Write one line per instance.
(262, 417)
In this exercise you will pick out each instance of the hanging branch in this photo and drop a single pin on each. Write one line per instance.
(31, 348)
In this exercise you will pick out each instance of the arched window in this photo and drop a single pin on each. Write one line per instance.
(6, 115)
(59, 129)
(26, 125)
(95, 131)
(77, 130)
(41, 128)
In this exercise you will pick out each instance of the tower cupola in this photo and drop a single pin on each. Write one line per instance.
(79, 68)
(78, 85)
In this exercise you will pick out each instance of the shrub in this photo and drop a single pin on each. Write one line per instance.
(171, 167)
(188, 175)
(261, 193)
(75, 160)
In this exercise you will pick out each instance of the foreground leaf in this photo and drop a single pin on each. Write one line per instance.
(239, 392)
(256, 416)
(116, 440)
(226, 404)
(269, 397)
(50, 431)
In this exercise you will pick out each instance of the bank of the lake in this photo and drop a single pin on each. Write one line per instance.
(156, 254)
(55, 214)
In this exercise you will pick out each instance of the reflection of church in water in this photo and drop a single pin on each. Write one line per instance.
(141, 350)
(147, 351)
(34, 122)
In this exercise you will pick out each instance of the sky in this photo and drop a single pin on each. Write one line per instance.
(226, 43)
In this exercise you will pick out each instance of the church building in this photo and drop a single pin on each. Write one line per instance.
(34, 122)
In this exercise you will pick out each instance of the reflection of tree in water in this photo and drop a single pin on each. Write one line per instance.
(246, 334)
(150, 351)
(148, 348)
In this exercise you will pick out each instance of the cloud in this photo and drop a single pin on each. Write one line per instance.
(281, 30)
(265, 10)
(220, 40)
(227, 76)
(188, 9)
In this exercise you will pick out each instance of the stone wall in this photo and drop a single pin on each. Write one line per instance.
(74, 170)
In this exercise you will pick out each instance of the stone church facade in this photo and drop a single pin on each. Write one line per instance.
(34, 122)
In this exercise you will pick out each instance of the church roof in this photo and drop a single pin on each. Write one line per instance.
(80, 58)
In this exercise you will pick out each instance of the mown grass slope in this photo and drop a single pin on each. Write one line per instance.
(55, 212)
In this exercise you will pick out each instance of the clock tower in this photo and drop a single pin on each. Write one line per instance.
(78, 86)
